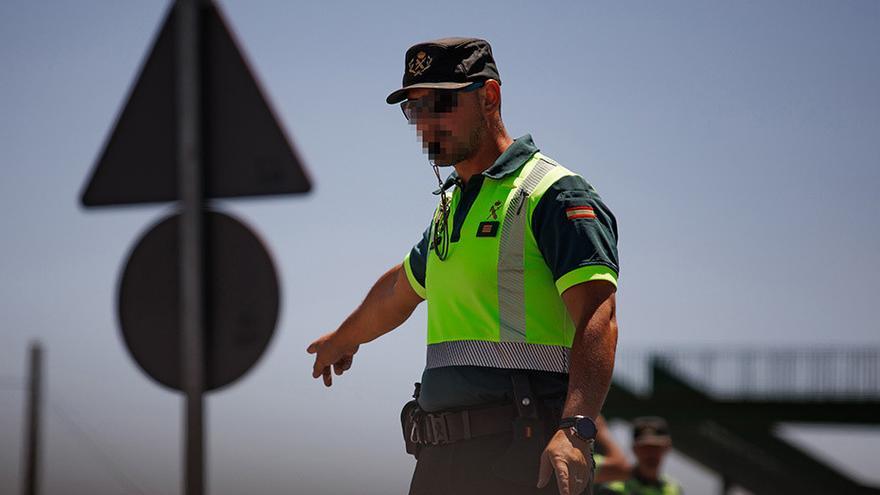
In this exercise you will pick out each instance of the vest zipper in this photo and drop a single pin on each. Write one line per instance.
(522, 200)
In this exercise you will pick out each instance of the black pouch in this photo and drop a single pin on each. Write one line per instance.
(521, 460)
(410, 419)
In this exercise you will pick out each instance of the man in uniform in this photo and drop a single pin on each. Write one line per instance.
(651, 443)
(519, 269)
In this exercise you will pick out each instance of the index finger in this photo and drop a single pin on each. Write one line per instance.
(319, 367)
(562, 477)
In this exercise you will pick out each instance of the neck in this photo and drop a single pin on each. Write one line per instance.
(648, 473)
(485, 156)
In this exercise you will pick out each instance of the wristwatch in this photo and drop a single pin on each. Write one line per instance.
(582, 427)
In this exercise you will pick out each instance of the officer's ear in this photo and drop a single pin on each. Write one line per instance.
(491, 96)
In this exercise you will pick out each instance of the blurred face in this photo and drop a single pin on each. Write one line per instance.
(449, 123)
(650, 456)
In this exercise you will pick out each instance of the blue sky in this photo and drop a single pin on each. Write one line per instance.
(738, 143)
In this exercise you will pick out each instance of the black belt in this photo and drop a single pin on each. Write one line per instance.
(453, 426)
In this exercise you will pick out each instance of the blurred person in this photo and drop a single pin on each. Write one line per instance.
(519, 269)
(651, 443)
(610, 458)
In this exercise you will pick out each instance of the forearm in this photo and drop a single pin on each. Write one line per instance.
(591, 305)
(592, 361)
(387, 305)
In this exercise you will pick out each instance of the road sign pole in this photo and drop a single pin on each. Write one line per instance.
(30, 484)
(192, 261)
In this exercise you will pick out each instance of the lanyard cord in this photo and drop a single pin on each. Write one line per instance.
(440, 238)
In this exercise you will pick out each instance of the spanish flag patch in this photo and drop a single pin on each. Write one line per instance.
(580, 212)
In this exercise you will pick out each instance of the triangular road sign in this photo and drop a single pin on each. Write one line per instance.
(245, 151)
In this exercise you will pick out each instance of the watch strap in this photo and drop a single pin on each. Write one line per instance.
(582, 426)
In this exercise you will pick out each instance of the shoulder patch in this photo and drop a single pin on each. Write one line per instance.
(578, 212)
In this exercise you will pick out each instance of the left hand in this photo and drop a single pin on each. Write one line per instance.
(571, 458)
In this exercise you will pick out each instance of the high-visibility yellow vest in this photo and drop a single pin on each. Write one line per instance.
(493, 301)
(632, 486)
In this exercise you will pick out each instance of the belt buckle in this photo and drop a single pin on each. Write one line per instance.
(414, 419)
(440, 433)
(414, 434)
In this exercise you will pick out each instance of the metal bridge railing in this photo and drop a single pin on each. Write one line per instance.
(803, 374)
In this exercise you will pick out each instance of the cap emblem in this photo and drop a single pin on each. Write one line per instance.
(419, 64)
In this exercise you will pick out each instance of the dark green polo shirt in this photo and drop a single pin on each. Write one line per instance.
(565, 243)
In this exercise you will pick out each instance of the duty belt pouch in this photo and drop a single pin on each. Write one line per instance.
(520, 463)
(410, 417)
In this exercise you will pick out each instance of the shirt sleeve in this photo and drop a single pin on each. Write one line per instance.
(416, 263)
(576, 233)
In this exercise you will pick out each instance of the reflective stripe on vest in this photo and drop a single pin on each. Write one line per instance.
(511, 271)
(508, 355)
(512, 351)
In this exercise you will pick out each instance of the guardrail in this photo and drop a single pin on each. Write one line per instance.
(804, 374)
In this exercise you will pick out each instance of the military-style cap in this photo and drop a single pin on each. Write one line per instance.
(651, 431)
(448, 63)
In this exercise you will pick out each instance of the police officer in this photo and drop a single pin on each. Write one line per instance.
(519, 269)
(651, 443)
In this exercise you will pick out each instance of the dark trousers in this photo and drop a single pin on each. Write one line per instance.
(493, 464)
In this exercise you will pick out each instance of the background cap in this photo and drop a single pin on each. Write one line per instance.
(651, 431)
(447, 63)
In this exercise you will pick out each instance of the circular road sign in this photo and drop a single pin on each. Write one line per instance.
(241, 296)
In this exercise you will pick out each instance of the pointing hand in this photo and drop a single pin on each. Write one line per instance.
(330, 353)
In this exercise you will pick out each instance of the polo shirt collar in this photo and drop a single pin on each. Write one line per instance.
(517, 154)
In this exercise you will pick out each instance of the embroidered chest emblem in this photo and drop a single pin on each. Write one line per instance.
(493, 210)
(488, 229)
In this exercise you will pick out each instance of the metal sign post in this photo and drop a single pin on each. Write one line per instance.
(189, 155)
(30, 484)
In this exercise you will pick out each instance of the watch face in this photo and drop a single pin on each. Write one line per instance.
(585, 428)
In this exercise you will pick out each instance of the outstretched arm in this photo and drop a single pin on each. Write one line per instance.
(388, 304)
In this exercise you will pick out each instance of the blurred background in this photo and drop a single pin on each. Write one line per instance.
(738, 144)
